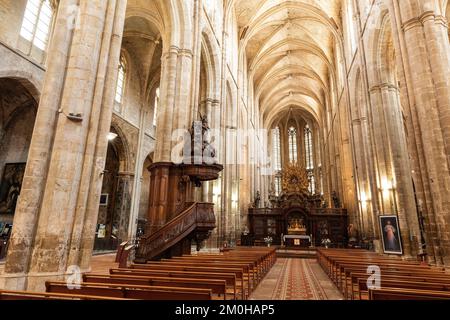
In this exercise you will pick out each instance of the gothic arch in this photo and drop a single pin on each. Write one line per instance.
(122, 147)
(211, 54)
(27, 79)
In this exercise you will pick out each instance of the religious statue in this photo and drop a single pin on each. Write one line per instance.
(211, 152)
(205, 148)
(257, 200)
(352, 233)
(323, 229)
(336, 200)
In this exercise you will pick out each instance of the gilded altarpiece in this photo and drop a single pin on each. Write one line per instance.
(297, 218)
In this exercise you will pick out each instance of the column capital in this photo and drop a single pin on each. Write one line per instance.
(422, 19)
(384, 86)
(125, 174)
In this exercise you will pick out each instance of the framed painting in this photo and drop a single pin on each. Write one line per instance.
(104, 199)
(10, 187)
(391, 236)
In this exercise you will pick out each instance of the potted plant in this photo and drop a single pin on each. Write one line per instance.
(326, 242)
(268, 241)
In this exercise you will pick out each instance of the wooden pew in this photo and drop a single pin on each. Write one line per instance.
(407, 294)
(345, 270)
(399, 279)
(264, 259)
(131, 291)
(251, 264)
(247, 275)
(363, 292)
(239, 272)
(230, 278)
(218, 287)
(24, 295)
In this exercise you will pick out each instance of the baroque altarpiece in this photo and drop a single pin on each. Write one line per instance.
(297, 218)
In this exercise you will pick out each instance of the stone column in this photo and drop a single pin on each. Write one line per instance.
(403, 188)
(427, 65)
(27, 211)
(69, 151)
(174, 91)
(121, 216)
(436, 38)
(400, 197)
(98, 161)
(140, 160)
(49, 258)
(428, 80)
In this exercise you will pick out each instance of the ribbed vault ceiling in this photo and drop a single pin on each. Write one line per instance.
(289, 47)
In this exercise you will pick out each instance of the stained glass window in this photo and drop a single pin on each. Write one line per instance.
(292, 144)
(276, 142)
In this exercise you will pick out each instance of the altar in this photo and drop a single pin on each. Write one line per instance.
(297, 241)
(297, 218)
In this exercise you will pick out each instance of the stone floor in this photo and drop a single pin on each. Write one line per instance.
(102, 263)
(296, 279)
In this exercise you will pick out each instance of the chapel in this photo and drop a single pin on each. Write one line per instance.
(224, 149)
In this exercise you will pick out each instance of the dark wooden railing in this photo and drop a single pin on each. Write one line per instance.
(195, 222)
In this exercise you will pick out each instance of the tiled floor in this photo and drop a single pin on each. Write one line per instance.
(296, 279)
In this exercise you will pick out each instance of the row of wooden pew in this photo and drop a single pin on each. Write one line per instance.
(233, 274)
(355, 273)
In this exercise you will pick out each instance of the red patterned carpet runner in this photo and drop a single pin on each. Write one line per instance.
(297, 281)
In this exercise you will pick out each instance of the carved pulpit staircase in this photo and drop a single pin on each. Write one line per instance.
(171, 195)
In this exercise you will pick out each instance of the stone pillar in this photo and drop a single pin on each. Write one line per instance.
(399, 197)
(435, 29)
(121, 216)
(65, 170)
(426, 60)
(83, 256)
(137, 187)
(69, 152)
(403, 190)
(27, 211)
(165, 116)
